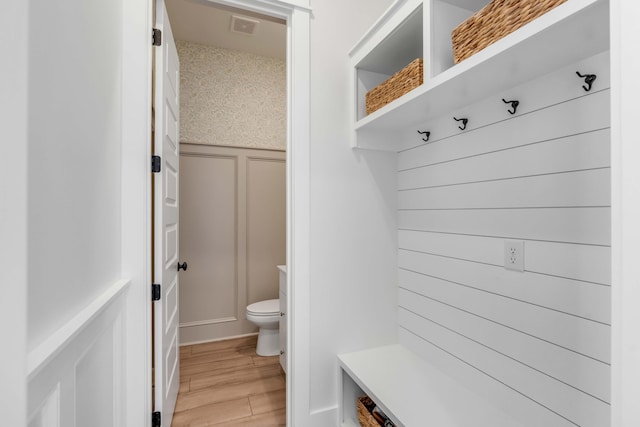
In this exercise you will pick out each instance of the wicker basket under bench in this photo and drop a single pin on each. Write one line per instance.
(494, 21)
(365, 417)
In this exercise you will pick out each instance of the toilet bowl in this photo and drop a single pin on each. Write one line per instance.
(266, 316)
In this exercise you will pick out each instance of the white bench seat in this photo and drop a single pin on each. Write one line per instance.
(411, 392)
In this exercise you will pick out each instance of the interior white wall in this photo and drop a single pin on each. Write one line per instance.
(352, 202)
(88, 179)
(625, 37)
(13, 222)
(75, 61)
(14, 27)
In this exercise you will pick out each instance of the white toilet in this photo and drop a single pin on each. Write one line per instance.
(266, 316)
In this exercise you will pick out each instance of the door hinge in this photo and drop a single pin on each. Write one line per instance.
(156, 164)
(155, 292)
(156, 37)
(156, 419)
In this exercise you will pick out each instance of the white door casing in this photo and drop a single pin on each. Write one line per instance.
(166, 353)
(297, 13)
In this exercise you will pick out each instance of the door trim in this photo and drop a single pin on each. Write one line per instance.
(297, 14)
(136, 207)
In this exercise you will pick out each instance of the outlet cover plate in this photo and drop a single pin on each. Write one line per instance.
(514, 255)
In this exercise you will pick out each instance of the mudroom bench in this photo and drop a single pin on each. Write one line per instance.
(411, 392)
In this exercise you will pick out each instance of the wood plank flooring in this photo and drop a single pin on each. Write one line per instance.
(225, 383)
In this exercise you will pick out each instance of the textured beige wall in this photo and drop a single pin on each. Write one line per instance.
(231, 98)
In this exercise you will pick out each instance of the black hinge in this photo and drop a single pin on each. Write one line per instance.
(155, 293)
(156, 164)
(156, 37)
(156, 419)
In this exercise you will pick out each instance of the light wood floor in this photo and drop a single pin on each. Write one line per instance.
(225, 383)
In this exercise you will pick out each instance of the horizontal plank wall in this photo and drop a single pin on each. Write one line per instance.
(537, 340)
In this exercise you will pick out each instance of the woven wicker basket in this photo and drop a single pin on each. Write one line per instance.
(405, 80)
(364, 416)
(493, 22)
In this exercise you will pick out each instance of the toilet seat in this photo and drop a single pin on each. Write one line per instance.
(268, 307)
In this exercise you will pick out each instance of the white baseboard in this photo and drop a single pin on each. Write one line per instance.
(182, 344)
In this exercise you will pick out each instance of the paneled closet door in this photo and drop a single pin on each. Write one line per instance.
(166, 187)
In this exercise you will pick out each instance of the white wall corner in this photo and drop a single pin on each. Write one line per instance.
(625, 155)
(14, 26)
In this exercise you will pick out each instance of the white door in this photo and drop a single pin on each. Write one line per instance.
(166, 145)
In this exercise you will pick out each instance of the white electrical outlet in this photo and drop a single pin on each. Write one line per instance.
(514, 255)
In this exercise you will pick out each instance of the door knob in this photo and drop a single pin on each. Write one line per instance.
(182, 266)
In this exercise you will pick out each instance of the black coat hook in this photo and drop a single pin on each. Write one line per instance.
(514, 105)
(588, 79)
(427, 134)
(464, 123)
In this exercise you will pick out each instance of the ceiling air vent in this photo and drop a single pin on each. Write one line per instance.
(243, 25)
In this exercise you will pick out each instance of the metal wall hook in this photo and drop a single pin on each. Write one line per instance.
(427, 134)
(514, 105)
(464, 123)
(588, 79)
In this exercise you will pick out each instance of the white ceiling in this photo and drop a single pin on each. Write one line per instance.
(204, 22)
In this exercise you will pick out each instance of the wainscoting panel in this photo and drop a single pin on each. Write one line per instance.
(540, 338)
(266, 225)
(208, 238)
(76, 378)
(232, 235)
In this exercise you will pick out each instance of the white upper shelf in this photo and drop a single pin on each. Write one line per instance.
(572, 31)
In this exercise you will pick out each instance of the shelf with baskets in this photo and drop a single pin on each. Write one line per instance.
(574, 30)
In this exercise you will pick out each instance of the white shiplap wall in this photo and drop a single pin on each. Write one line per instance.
(537, 340)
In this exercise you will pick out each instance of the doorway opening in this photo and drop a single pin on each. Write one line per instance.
(206, 156)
